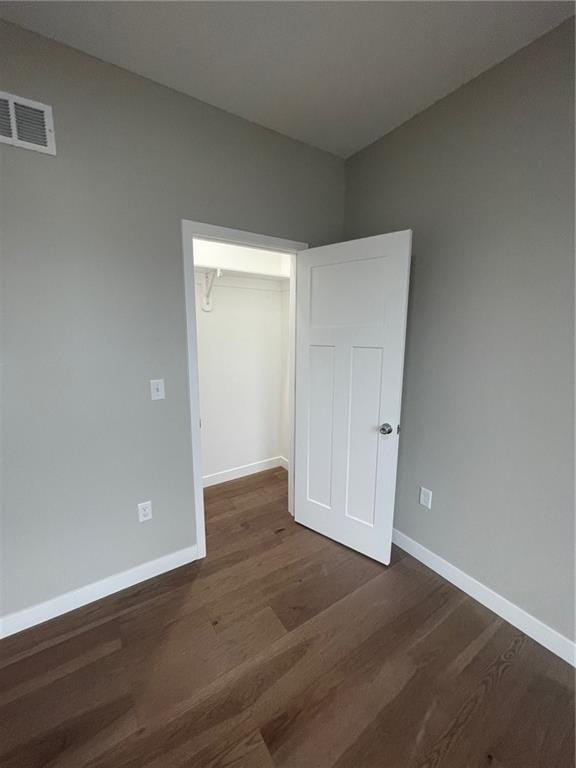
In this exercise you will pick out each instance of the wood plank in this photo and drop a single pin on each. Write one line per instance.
(58, 661)
(283, 649)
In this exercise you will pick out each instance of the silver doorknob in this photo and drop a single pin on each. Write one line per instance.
(386, 429)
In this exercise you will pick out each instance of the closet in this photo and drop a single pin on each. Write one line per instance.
(242, 317)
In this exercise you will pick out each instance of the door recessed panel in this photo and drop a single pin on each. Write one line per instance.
(320, 424)
(363, 435)
(347, 294)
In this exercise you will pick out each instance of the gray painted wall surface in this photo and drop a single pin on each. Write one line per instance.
(485, 178)
(94, 303)
(93, 308)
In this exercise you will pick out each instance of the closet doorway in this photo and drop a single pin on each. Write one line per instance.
(240, 301)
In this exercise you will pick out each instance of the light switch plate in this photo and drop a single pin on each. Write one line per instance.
(425, 497)
(157, 391)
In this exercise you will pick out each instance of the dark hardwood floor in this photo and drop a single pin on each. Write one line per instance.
(283, 649)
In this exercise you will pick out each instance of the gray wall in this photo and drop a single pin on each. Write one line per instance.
(94, 303)
(485, 178)
(93, 308)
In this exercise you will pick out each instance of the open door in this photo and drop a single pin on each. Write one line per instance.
(351, 305)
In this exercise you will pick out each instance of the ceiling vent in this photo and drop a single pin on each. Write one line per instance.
(27, 124)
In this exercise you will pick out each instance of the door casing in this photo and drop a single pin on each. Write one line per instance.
(196, 229)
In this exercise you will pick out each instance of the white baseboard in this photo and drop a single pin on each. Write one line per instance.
(244, 471)
(37, 614)
(513, 614)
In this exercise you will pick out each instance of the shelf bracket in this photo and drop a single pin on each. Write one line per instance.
(207, 286)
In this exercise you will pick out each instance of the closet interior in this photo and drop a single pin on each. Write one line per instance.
(243, 335)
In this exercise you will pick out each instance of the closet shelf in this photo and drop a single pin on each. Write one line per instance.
(209, 276)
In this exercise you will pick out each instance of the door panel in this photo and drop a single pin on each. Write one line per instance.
(365, 386)
(350, 326)
(320, 421)
(332, 303)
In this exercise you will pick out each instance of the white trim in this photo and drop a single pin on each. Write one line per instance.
(513, 614)
(193, 388)
(291, 379)
(283, 462)
(246, 469)
(190, 230)
(69, 601)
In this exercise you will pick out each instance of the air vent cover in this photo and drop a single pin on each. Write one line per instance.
(27, 124)
(5, 119)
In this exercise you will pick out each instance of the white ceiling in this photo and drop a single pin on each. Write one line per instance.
(336, 75)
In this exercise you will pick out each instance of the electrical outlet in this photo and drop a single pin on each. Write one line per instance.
(425, 497)
(157, 391)
(145, 511)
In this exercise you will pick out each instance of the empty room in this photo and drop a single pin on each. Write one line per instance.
(287, 384)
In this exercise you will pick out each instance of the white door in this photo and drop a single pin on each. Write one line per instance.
(351, 302)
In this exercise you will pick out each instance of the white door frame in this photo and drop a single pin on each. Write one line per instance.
(190, 230)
